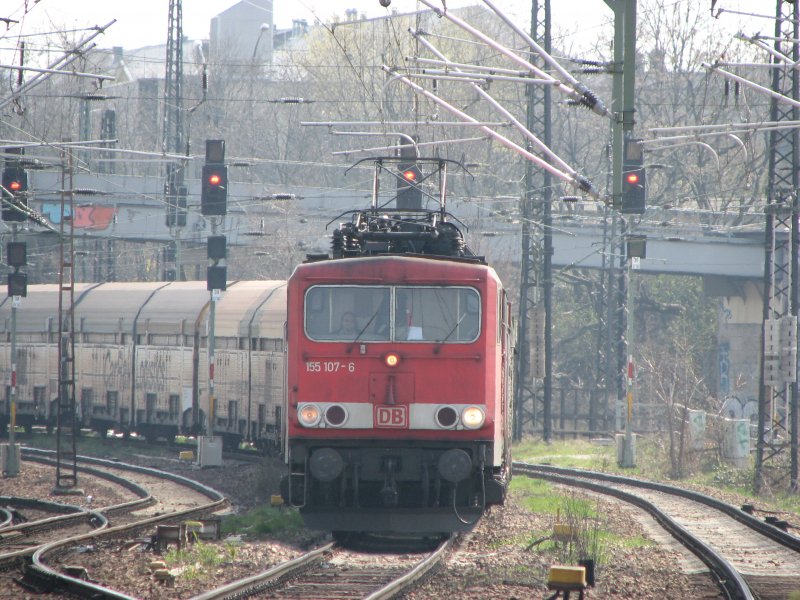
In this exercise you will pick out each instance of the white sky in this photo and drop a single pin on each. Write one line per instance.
(144, 22)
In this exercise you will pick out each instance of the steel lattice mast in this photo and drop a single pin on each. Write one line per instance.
(610, 357)
(532, 400)
(776, 445)
(173, 132)
(172, 140)
(66, 409)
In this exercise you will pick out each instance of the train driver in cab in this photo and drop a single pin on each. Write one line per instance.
(347, 326)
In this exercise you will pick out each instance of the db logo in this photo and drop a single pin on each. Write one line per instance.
(391, 416)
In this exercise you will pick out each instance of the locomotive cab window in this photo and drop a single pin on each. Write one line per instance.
(348, 313)
(447, 314)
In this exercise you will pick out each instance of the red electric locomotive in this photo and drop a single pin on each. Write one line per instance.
(400, 351)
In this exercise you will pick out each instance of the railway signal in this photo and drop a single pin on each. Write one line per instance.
(176, 205)
(409, 180)
(217, 247)
(17, 284)
(216, 274)
(214, 184)
(16, 257)
(15, 188)
(634, 180)
(636, 246)
(216, 278)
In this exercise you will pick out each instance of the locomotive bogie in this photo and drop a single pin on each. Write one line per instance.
(370, 486)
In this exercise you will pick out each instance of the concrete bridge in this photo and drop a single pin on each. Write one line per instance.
(684, 250)
(133, 208)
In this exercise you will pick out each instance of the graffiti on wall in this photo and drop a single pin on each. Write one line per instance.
(724, 369)
(740, 408)
(86, 217)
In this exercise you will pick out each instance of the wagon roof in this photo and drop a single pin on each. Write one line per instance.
(38, 311)
(254, 308)
(173, 309)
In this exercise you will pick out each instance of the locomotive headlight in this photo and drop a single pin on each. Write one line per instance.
(309, 415)
(446, 417)
(391, 359)
(335, 415)
(473, 417)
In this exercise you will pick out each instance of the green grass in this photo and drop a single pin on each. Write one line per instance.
(539, 496)
(263, 521)
(651, 462)
(638, 541)
(581, 454)
(198, 558)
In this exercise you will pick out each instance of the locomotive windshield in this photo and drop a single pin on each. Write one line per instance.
(392, 313)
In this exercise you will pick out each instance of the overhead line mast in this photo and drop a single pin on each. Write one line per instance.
(532, 404)
(778, 403)
(173, 133)
(66, 409)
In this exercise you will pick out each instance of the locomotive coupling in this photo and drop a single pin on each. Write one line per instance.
(389, 493)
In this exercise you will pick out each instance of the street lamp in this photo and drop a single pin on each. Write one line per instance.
(264, 27)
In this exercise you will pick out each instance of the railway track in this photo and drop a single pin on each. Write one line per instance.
(49, 521)
(747, 557)
(333, 572)
(45, 566)
(58, 520)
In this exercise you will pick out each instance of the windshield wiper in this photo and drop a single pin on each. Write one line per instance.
(447, 337)
(363, 329)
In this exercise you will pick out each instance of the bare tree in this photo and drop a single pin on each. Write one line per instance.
(674, 379)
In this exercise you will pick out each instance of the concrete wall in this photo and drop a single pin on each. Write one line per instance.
(739, 350)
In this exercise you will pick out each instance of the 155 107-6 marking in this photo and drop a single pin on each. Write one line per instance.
(330, 366)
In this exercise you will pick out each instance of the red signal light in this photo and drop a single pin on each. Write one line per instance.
(632, 178)
(410, 175)
(214, 179)
(15, 186)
